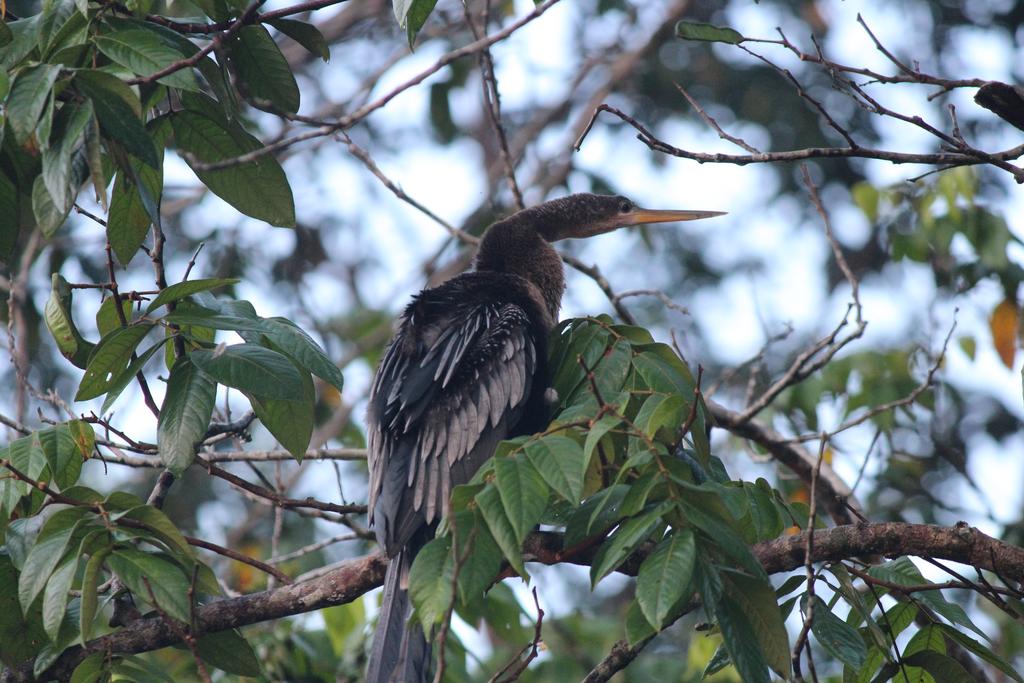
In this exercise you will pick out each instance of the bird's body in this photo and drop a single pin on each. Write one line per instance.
(466, 369)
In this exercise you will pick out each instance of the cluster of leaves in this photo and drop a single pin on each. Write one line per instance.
(617, 474)
(273, 367)
(61, 551)
(632, 491)
(93, 95)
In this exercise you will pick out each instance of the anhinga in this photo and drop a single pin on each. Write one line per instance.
(465, 371)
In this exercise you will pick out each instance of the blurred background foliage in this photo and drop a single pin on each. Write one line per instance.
(758, 288)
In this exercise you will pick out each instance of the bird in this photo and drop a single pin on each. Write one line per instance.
(465, 370)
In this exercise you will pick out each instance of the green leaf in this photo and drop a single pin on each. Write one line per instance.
(28, 97)
(624, 541)
(257, 188)
(185, 414)
(144, 53)
(560, 461)
(229, 651)
(291, 422)
(523, 493)
(490, 506)
(841, 640)
(57, 315)
(661, 411)
(90, 669)
(291, 340)
(598, 513)
(50, 212)
(755, 597)
(107, 319)
(980, 651)
(50, 546)
(90, 581)
(135, 200)
(305, 34)
(57, 159)
(262, 70)
(741, 641)
(124, 378)
(253, 369)
(20, 637)
(637, 627)
(144, 573)
(665, 576)
(201, 317)
(5, 39)
(165, 529)
(111, 356)
(412, 14)
(941, 667)
(187, 288)
(119, 112)
(430, 581)
(695, 30)
(10, 219)
(903, 572)
(55, 597)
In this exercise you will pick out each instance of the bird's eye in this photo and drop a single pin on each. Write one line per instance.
(625, 207)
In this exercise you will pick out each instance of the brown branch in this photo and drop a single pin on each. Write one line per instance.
(353, 578)
(621, 654)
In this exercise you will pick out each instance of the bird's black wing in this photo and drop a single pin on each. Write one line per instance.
(452, 384)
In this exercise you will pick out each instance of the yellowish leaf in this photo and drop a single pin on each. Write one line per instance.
(1003, 324)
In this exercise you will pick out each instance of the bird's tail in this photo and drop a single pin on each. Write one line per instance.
(401, 653)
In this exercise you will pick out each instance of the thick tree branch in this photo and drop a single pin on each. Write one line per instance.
(356, 577)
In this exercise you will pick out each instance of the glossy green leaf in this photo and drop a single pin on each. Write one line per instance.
(57, 159)
(55, 596)
(638, 629)
(119, 112)
(430, 581)
(148, 575)
(661, 411)
(144, 53)
(107, 319)
(257, 188)
(52, 543)
(28, 97)
(164, 528)
(741, 640)
(185, 414)
(289, 339)
(136, 197)
(229, 651)
(756, 598)
(91, 579)
(695, 30)
(597, 514)
(840, 639)
(305, 34)
(624, 541)
(981, 651)
(253, 369)
(126, 376)
(291, 422)
(902, 571)
(493, 512)
(559, 460)
(111, 356)
(263, 73)
(524, 494)
(187, 288)
(412, 14)
(90, 670)
(665, 576)
(941, 667)
(57, 315)
(50, 212)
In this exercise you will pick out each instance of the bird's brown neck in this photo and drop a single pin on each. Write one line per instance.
(515, 246)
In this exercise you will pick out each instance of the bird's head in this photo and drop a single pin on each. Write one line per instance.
(585, 215)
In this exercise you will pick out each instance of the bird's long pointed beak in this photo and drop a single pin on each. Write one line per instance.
(641, 216)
